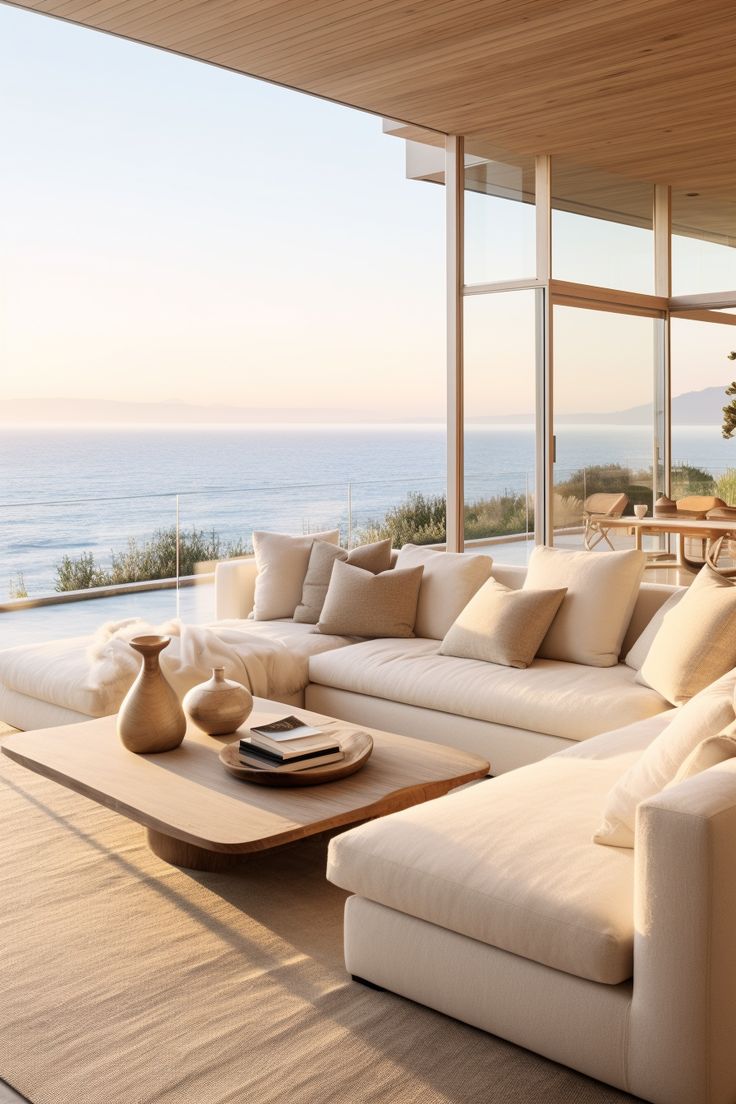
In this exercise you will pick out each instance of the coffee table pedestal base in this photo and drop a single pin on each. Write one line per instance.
(179, 853)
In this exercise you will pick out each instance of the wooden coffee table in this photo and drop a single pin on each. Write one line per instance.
(198, 816)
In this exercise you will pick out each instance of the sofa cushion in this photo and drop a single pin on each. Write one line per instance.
(696, 642)
(365, 604)
(560, 699)
(510, 862)
(709, 753)
(61, 671)
(704, 715)
(500, 625)
(602, 589)
(639, 651)
(371, 557)
(282, 562)
(449, 582)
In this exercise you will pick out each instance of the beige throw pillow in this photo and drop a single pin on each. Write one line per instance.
(709, 753)
(639, 650)
(449, 582)
(696, 643)
(282, 562)
(371, 557)
(500, 625)
(707, 714)
(602, 589)
(359, 603)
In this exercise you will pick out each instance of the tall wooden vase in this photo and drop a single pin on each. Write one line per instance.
(151, 718)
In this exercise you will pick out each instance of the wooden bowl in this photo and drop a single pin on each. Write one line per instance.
(356, 747)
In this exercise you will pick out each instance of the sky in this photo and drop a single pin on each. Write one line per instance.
(177, 232)
(172, 232)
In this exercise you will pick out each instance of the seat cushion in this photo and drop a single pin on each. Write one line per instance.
(559, 699)
(510, 861)
(61, 671)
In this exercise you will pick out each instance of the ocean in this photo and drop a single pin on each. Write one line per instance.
(69, 490)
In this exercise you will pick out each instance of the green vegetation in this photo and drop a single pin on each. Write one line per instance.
(421, 519)
(17, 586)
(154, 558)
(725, 487)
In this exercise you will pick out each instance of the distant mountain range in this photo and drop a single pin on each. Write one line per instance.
(693, 408)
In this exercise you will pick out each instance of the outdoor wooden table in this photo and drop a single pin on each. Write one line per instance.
(710, 530)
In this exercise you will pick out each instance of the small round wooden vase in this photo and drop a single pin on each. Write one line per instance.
(218, 706)
(151, 718)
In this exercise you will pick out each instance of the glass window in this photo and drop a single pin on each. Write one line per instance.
(499, 420)
(602, 228)
(500, 217)
(703, 243)
(701, 370)
(604, 420)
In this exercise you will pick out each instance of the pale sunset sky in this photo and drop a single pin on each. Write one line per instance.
(174, 232)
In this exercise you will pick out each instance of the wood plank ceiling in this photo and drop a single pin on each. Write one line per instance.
(644, 88)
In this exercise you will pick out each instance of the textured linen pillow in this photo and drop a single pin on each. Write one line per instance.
(707, 714)
(639, 650)
(696, 643)
(602, 588)
(371, 557)
(359, 603)
(501, 625)
(282, 562)
(449, 582)
(714, 750)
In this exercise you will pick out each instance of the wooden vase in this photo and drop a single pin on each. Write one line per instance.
(218, 706)
(151, 718)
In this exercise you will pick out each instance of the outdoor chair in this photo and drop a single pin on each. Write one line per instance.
(597, 509)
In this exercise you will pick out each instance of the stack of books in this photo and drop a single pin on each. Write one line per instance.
(288, 745)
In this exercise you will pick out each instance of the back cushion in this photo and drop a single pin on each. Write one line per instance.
(449, 581)
(602, 588)
(282, 562)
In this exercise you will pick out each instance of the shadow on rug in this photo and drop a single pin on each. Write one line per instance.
(127, 981)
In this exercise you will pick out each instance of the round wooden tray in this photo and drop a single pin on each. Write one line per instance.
(356, 747)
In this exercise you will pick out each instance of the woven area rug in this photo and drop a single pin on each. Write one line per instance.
(126, 981)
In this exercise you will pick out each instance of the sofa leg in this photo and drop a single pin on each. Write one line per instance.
(368, 984)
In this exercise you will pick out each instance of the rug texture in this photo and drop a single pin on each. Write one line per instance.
(126, 981)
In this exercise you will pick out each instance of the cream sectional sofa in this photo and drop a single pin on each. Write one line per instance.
(494, 906)
(510, 716)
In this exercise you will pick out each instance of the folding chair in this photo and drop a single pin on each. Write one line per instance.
(597, 508)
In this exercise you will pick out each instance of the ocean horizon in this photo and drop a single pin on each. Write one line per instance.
(71, 489)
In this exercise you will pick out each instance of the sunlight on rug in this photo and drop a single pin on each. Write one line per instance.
(127, 981)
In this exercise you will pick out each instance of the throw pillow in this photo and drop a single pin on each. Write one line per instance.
(705, 715)
(282, 562)
(371, 557)
(500, 625)
(696, 643)
(602, 588)
(640, 648)
(711, 752)
(449, 582)
(359, 603)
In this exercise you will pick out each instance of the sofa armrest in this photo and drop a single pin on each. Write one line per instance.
(684, 1010)
(235, 585)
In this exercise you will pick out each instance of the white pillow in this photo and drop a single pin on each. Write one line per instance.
(602, 588)
(282, 562)
(449, 581)
(696, 643)
(714, 750)
(639, 650)
(705, 715)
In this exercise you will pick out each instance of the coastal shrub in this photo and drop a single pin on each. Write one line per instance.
(689, 480)
(725, 486)
(421, 519)
(17, 587)
(152, 558)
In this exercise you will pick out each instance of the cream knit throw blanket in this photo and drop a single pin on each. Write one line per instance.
(265, 666)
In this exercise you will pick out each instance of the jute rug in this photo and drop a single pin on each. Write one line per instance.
(126, 981)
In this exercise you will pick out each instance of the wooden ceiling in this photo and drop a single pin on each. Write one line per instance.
(645, 88)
